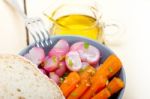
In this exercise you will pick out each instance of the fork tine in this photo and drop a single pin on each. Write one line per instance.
(38, 32)
(42, 30)
(33, 28)
(32, 32)
(45, 32)
(36, 27)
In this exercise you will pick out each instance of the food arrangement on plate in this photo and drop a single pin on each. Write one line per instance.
(77, 69)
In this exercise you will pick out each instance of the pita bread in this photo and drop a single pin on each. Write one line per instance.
(20, 79)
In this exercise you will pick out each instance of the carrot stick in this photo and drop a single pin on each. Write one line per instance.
(84, 83)
(88, 71)
(112, 65)
(98, 85)
(70, 83)
(115, 85)
(109, 68)
(104, 94)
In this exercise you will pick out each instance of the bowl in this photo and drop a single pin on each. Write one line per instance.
(104, 50)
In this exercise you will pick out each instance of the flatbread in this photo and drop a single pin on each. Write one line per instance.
(20, 79)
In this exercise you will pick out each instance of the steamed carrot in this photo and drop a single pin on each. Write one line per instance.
(88, 71)
(115, 85)
(112, 65)
(98, 85)
(70, 83)
(84, 83)
(109, 68)
(104, 94)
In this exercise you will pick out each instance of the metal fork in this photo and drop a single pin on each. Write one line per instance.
(36, 28)
(38, 31)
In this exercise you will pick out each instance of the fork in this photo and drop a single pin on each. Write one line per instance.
(36, 27)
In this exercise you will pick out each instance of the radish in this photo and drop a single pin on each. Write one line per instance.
(61, 69)
(51, 64)
(36, 55)
(27, 56)
(43, 71)
(92, 55)
(73, 61)
(60, 49)
(88, 53)
(54, 77)
(85, 64)
(76, 46)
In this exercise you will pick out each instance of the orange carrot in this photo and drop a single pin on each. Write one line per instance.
(70, 83)
(88, 71)
(84, 83)
(98, 85)
(115, 85)
(104, 94)
(112, 65)
(109, 68)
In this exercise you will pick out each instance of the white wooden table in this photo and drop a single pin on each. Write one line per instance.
(134, 50)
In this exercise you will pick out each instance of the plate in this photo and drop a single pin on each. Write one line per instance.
(104, 50)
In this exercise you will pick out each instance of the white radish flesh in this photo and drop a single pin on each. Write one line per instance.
(85, 64)
(73, 61)
(92, 55)
(87, 52)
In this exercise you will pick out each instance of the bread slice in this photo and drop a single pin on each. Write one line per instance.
(20, 79)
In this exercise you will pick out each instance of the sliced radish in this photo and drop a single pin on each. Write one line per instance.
(73, 61)
(79, 47)
(60, 49)
(54, 77)
(85, 64)
(76, 46)
(87, 52)
(61, 69)
(27, 56)
(36, 55)
(43, 71)
(51, 64)
(93, 55)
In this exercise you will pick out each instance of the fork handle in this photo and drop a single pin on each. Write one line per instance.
(15, 4)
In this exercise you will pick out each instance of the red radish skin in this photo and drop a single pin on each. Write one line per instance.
(36, 55)
(90, 54)
(51, 64)
(60, 49)
(54, 77)
(76, 46)
(73, 61)
(43, 71)
(61, 69)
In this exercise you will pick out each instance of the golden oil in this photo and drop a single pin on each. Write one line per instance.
(77, 24)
